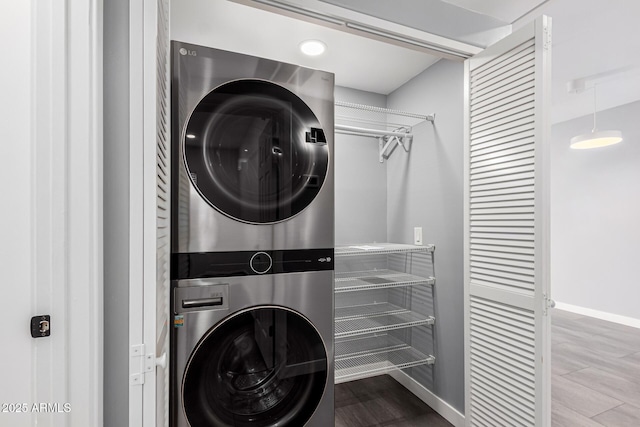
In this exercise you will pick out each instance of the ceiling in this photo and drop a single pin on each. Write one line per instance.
(593, 39)
(358, 62)
(506, 11)
(477, 22)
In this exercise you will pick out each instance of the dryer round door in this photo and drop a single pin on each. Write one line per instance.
(265, 366)
(255, 151)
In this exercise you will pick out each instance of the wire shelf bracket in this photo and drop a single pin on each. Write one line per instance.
(385, 141)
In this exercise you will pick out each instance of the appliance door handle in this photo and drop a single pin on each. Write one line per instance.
(201, 302)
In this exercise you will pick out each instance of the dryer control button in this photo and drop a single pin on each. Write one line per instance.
(261, 262)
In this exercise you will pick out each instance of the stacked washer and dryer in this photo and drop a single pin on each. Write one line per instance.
(252, 240)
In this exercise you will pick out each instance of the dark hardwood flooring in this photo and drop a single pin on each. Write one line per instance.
(382, 401)
(595, 376)
(595, 382)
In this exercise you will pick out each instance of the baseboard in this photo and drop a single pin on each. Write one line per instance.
(447, 411)
(610, 317)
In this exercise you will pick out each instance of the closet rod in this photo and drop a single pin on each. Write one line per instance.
(353, 130)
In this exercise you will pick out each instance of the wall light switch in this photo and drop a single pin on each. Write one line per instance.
(417, 235)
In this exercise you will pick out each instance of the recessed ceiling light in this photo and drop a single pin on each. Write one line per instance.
(190, 136)
(312, 47)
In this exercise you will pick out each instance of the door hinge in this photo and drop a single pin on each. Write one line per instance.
(547, 38)
(548, 303)
(141, 363)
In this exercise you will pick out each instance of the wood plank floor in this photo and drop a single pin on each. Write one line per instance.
(595, 382)
(595, 372)
(382, 401)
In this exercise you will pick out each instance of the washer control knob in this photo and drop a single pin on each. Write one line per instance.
(261, 262)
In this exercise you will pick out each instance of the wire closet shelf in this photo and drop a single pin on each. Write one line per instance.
(380, 249)
(373, 333)
(390, 127)
(362, 357)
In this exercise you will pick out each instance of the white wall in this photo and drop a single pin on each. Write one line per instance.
(595, 216)
(51, 219)
(16, 254)
(384, 201)
(425, 189)
(595, 39)
(361, 180)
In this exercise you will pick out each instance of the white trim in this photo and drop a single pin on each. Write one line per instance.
(136, 206)
(350, 21)
(542, 34)
(83, 177)
(466, 253)
(447, 411)
(50, 204)
(602, 315)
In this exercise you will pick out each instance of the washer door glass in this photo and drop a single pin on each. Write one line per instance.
(255, 151)
(264, 367)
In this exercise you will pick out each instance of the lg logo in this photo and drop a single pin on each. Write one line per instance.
(184, 51)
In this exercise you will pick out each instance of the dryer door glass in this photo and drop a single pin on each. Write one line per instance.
(263, 367)
(255, 151)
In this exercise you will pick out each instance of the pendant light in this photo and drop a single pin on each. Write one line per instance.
(596, 138)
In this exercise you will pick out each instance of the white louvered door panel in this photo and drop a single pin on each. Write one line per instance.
(507, 231)
(163, 251)
(154, 113)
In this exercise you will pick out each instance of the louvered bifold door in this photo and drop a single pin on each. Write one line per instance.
(162, 214)
(507, 231)
(163, 251)
(156, 191)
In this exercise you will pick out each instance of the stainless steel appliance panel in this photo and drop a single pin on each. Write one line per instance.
(309, 294)
(197, 227)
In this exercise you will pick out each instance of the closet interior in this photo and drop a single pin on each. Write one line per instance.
(384, 292)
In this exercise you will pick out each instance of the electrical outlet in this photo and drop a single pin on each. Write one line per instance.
(417, 235)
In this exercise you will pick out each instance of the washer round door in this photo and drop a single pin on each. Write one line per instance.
(255, 151)
(265, 366)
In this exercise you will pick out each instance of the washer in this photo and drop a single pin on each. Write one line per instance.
(254, 350)
(252, 147)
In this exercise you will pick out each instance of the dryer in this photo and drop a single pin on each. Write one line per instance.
(252, 153)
